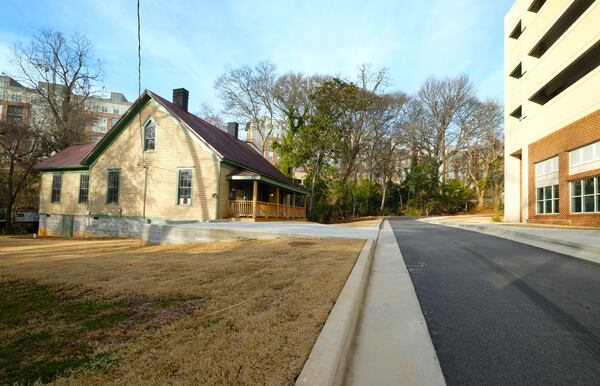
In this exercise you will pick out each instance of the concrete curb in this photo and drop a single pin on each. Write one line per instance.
(527, 238)
(392, 344)
(326, 364)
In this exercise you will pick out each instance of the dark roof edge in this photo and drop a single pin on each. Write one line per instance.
(116, 130)
(65, 169)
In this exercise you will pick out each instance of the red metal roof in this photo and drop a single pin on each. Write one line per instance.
(232, 149)
(70, 157)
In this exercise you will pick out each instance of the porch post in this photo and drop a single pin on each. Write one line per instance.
(304, 206)
(277, 201)
(293, 206)
(254, 198)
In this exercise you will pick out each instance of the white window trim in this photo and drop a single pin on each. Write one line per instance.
(150, 119)
(595, 157)
(544, 162)
(191, 170)
(555, 210)
(582, 196)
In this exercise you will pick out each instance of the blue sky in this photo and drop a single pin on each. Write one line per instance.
(190, 43)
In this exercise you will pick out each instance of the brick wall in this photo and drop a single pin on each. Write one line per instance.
(577, 134)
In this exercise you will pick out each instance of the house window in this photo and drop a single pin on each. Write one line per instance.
(84, 187)
(112, 196)
(585, 195)
(56, 184)
(547, 200)
(184, 190)
(149, 136)
(113, 121)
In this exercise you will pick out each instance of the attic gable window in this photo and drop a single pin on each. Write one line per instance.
(149, 136)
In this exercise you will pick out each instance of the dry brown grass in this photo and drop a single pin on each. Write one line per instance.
(262, 303)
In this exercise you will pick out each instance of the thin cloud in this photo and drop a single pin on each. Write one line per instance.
(188, 44)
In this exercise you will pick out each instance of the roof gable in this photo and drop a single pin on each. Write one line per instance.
(230, 149)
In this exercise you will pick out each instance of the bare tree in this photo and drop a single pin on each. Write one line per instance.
(360, 122)
(441, 103)
(291, 93)
(211, 116)
(483, 153)
(65, 75)
(20, 148)
(247, 94)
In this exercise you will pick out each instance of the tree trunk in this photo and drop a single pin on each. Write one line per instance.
(383, 197)
(314, 181)
(9, 198)
(480, 198)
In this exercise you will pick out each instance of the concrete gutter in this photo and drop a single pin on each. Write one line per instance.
(392, 345)
(575, 249)
(326, 364)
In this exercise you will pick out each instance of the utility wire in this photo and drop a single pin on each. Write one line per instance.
(139, 50)
(140, 112)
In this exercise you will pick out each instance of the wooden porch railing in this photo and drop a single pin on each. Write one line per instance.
(265, 210)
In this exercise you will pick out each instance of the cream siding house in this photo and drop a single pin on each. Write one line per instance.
(160, 163)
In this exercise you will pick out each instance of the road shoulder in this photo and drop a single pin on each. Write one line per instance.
(551, 243)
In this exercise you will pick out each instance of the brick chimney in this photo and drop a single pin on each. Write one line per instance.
(232, 129)
(180, 98)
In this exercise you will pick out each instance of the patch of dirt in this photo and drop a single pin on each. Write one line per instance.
(301, 243)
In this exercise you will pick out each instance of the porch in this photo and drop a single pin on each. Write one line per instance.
(250, 196)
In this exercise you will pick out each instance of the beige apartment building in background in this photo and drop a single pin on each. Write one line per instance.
(552, 112)
(24, 104)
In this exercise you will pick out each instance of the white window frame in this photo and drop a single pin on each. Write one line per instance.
(578, 154)
(148, 121)
(583, 195)
(554, 199)
(547, 166)
(185, 201)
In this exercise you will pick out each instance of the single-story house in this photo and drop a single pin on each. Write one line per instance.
(160, 163)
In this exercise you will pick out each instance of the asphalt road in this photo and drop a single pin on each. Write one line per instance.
(504, 313)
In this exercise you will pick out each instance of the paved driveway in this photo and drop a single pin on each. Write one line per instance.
(293, 228)
(504, 313)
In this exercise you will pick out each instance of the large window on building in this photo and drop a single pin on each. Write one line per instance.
(56, 185)
(547, 200)
(546, 167)
(149, 136)
(585, 195)
(84, 188)
(184, 187)
(584, 155)
(99, 125)
(112, 195)
(15, 113)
